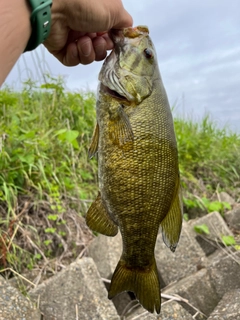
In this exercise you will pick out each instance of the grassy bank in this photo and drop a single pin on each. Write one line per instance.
(47, 180)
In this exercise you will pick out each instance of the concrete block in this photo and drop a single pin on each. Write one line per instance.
(228, 308)
(14, 306)
(106, 252)
(198, 290)
(217, 228)
(225, 197)
(224, 272)
(75, 293)
(169, 311)
(233, 218)
(187, 258)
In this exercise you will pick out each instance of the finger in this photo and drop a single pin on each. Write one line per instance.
(71, 57)
(86, 52)
(74, 35)
(100, 48)
(105, 35)
(109, 42)
(91, 35)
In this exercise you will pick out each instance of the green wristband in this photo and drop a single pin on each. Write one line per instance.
(40, 22)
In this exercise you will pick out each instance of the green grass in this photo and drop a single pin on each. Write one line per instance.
(45, 133)
(208, 153)
(45, 173)
(45, 151)
(209, 163)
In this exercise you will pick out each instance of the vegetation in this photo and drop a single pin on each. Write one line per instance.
(47, 180)
(209, 163)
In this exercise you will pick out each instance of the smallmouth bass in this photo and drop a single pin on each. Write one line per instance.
(139, 187)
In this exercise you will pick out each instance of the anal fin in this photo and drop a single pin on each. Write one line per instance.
(99, 220)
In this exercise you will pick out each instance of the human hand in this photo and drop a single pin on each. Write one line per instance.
(79, 31)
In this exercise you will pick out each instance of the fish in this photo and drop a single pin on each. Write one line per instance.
(138, 171)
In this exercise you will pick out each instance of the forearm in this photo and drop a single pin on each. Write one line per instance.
(15, 30)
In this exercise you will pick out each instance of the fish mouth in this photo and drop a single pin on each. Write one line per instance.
(112, 93)
(118, 35)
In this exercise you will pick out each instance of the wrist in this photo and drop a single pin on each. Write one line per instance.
(40, 22)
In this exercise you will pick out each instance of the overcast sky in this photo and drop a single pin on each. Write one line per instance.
(198, 48)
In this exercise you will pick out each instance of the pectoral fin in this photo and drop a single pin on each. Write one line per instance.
(172, 223)
(94, 142)
(121, 130)
(98, 219)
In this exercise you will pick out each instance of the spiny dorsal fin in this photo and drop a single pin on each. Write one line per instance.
(98, 219)
(94, 142)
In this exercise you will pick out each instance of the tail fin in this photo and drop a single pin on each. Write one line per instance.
(143, 282)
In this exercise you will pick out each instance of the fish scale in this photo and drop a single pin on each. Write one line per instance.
(139, 188)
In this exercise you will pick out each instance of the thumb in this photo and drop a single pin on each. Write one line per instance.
(123, 20)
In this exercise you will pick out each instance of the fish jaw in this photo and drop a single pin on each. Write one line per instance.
(121, 35)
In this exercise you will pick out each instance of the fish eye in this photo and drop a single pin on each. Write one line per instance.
(148, 53)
